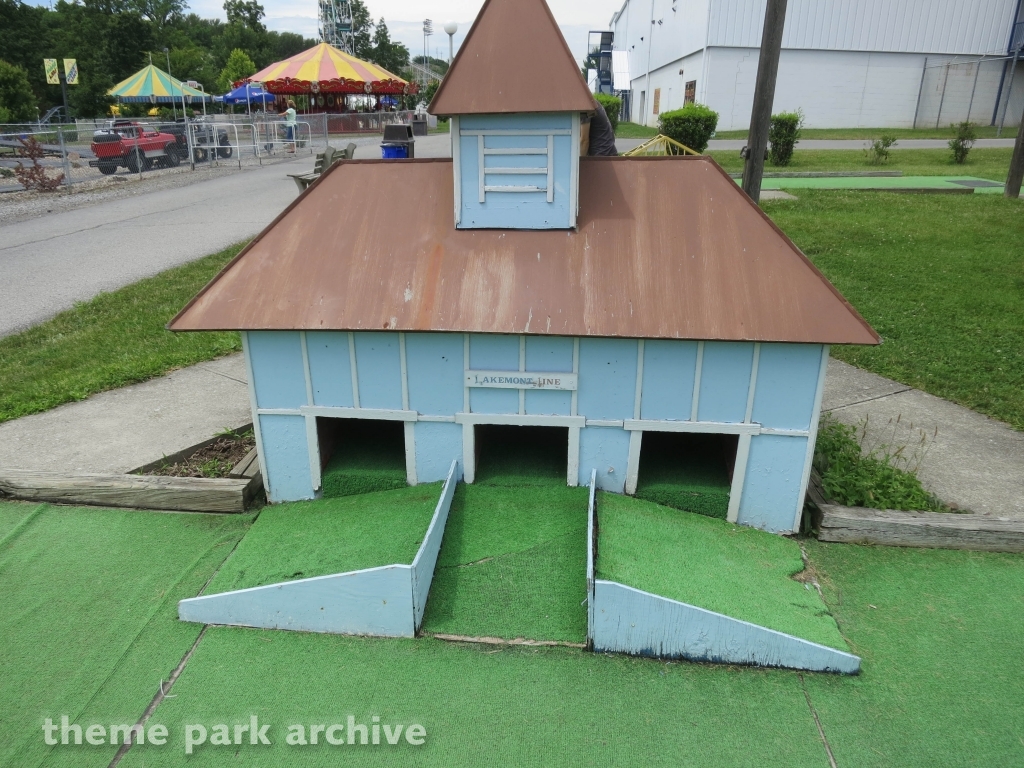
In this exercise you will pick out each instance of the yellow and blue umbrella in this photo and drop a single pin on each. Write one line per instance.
(153, 85)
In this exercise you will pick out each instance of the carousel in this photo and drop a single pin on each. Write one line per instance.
(325, 79)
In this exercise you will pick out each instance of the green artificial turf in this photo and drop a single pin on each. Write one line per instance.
(89, 616)
(316, 538)
(939, 631)
(941, 278)
(367, 456)
(982, 163)
(521, 456)
(110, 341)
(513, 564)
(685, 472)
(481, 705)
(734, 570)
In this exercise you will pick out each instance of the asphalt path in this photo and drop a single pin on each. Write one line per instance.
(50, 262)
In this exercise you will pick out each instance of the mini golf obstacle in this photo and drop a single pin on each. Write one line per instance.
(386, 601)
(625, 619)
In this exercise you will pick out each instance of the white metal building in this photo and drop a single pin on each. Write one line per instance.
(845, 63)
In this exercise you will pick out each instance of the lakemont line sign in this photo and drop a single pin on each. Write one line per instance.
(521, 380)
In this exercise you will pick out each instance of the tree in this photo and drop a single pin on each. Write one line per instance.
(17, 102)
(238, 67)
(249, 13)
(388, 53)
(195, 63)
(160, 12)
(362, 30)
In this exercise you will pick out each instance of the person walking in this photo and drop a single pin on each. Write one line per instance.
(289, 126)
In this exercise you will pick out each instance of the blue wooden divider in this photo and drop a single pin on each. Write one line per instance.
(387, 601)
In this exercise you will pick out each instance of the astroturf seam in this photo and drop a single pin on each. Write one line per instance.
(495, 558)
(142, 628)
(817, 722)
(22, 525)
(161, 694)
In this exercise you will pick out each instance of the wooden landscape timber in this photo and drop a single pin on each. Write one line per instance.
(855, 525)
(179, 494)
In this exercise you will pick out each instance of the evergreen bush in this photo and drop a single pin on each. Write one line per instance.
(693, 125)
(612, 106)
(783, 132)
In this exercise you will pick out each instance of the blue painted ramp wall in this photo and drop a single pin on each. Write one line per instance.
(632, 621)
(386, 602)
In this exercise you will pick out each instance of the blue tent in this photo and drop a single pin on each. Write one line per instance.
(250, 92)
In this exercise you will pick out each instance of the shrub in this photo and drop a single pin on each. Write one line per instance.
(963, 139)
(693, 125)
(16, 98)
(878, 153)
(875, 479)
(783, 132)
(612, 105)
(34, 176)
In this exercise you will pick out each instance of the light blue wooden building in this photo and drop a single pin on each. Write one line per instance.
(520, 284)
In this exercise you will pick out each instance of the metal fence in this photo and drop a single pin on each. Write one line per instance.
(214, 142)
(987, 90)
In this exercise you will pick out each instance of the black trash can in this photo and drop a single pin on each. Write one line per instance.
(419, 125)
(398, 141)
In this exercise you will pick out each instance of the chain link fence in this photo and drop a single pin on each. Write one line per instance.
(90, 150)
(987, 90)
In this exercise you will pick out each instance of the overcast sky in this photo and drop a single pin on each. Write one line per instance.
(405, 18)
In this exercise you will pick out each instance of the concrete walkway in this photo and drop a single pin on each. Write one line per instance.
(967, 459)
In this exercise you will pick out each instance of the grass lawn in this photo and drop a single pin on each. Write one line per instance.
(870, 134)
(940, 278)
(635, 131)
(110, 341)
(730, 569)
(983, 163)
(318, 538)
(89, 615)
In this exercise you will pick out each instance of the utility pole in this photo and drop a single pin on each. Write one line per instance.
(764, 96)
(1016, 174)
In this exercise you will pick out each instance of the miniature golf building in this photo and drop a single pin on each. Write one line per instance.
(613, 301)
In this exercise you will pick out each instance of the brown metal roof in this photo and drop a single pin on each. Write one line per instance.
(667, 247)
(514, 59)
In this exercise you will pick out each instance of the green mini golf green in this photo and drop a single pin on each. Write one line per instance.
(729, 569)
(513, 561)
(317, 538)
(687, 472)
(365, 456)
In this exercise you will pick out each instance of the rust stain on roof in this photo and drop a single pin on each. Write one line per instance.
(514, 59)
(666, 247)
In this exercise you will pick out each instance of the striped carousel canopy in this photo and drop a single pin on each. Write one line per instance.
(153, 85)
(325, 68)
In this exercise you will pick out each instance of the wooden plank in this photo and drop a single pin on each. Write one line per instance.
(183, 494)
(248, 466)
(920, 529)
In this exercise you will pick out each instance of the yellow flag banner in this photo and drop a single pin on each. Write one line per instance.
(52, 76)
(71, 71)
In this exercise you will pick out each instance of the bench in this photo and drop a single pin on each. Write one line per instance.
(324, 160)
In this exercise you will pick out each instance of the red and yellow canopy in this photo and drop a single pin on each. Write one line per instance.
(325, 69)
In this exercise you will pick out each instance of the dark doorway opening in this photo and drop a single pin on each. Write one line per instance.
(361, 455)
(687, 471)
(513, 455)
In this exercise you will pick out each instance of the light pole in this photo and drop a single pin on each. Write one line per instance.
(428, 30)
(450, 27)
(174, 110)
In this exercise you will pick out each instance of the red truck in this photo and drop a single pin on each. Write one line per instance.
(127, 143)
